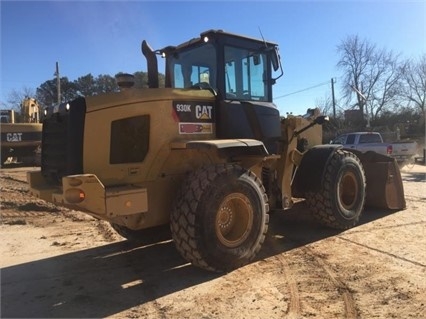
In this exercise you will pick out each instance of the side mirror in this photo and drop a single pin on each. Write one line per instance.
(321, 119)
(275, 59)
(276, 64)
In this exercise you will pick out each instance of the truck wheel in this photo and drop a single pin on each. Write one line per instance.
(144, 236)
(340, 201)
(220, 218)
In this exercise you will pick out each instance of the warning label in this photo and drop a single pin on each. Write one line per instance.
(195, 128)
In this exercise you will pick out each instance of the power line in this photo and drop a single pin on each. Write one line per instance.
(303, 90)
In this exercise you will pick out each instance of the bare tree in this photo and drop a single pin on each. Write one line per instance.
(386, 92)
(373, 76)
(356, 56)
(15, 98)
(325, 104)
(415, 78)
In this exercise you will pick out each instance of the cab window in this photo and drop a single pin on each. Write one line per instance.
(198, 65)
(340, 140)
(350, 139)
(244, 74)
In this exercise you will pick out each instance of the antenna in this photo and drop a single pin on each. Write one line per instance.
(261, 34)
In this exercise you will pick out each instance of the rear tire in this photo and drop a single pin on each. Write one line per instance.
(220, 218)
(340, 201)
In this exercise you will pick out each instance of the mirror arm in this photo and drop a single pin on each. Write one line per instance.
(319, 120)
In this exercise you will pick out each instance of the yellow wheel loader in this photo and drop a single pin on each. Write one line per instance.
(207, 156)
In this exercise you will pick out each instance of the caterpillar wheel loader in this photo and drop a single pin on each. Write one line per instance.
(21, 139)
(208, 155)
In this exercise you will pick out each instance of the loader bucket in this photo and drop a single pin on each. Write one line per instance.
(384, 182)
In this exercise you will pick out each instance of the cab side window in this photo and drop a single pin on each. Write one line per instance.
(244, 74)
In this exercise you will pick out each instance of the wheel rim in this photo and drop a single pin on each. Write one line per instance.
(234, 220)
(348, 190)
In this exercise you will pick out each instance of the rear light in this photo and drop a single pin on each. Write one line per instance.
(74, 195)
(389, 149)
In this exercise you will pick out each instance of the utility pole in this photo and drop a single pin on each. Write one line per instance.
(334, 100)
(58, 83)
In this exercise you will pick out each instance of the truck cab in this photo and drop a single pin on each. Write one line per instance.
(7, 116)
(358, 138)
(364, 142)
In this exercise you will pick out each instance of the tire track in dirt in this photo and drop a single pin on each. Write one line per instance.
(16, 214)
(288, 287)
(308, 274)
(349, 301)
(294, 308)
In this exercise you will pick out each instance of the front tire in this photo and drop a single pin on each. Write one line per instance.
(340, 201)
(220, 218)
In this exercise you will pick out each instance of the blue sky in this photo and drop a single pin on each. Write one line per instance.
(104, 37)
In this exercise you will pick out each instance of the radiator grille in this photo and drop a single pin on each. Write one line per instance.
(62, 141)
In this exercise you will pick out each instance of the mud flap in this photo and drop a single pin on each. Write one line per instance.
(384, 181)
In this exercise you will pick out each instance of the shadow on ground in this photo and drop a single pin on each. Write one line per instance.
(413, 176)
(109, 279)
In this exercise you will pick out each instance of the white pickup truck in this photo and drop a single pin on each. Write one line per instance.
(402, 151)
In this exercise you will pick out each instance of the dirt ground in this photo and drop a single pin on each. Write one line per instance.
(57, 263)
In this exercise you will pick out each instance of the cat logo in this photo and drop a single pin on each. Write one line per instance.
(14, 137)
(203, 112)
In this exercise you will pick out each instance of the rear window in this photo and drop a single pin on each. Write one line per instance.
(369, 138)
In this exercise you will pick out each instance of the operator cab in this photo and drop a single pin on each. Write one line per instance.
(237, 70)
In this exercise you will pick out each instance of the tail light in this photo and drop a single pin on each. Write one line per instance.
(74, 195)
(389, 149)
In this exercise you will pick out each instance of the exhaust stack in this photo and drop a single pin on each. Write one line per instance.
(152, 66)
